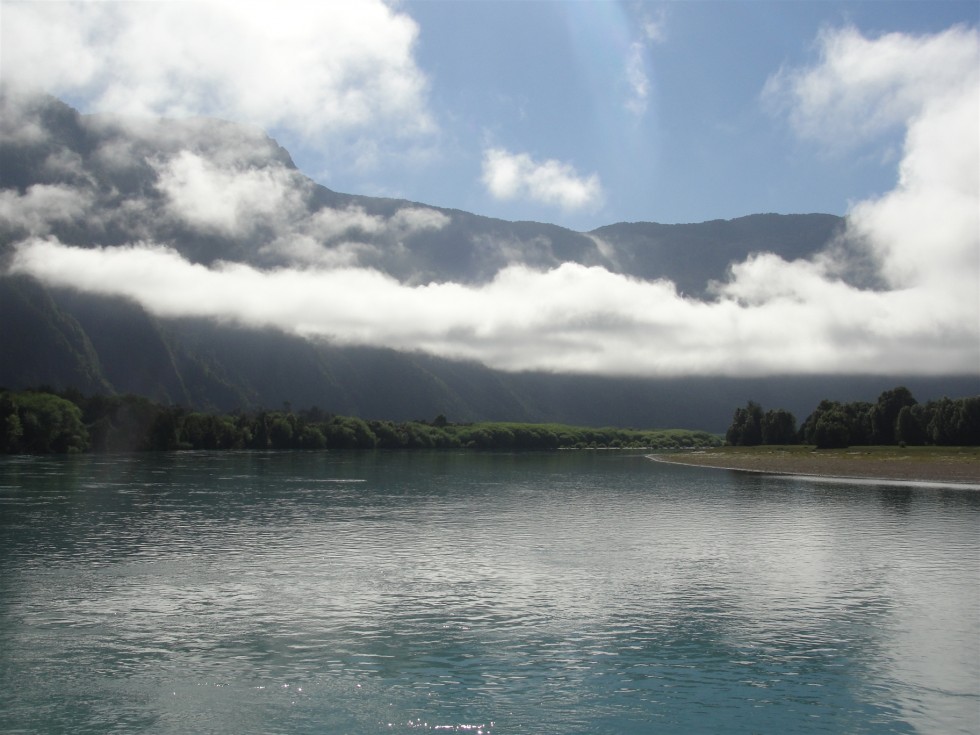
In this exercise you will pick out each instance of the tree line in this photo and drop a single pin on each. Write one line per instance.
(895, 418)
(43, 421)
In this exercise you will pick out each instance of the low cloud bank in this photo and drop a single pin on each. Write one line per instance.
(569, 319)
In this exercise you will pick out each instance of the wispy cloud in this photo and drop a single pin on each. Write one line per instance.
(347, 237)
(636, 76)
(655, 25)
(653, 31)
(41, 207)
(510, 175)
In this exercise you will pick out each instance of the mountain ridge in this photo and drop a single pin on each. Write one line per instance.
(98, 181)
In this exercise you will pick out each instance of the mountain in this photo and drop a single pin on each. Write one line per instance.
(101, 181)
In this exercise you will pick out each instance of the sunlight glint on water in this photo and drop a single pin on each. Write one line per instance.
(559, 593)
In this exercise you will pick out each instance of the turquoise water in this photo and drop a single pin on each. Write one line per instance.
(574, 592)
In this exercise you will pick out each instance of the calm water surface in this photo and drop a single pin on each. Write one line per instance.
(574, 592)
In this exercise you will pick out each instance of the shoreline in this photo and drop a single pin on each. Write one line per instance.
(953, 468)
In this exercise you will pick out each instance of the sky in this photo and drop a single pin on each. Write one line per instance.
(577, 113)
(574, 113)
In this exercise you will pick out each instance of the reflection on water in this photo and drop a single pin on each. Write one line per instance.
(572, 592)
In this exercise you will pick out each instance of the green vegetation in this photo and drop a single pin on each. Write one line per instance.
(42, 422)
(896, 418)
(750, 427)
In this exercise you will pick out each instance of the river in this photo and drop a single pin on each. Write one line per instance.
(570, 592)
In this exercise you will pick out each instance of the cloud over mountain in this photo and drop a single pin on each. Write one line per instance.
(321, 276)
(312, 70)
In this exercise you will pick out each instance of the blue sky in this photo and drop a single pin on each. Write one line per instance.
(550, 79)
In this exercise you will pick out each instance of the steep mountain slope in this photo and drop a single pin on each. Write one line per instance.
(691, 255)
(94, 180)
(214, 191)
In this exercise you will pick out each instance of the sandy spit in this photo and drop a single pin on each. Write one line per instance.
(884, 466)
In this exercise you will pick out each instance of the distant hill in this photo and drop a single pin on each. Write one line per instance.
(55, 158)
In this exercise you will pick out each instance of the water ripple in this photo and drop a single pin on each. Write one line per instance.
(310, 592)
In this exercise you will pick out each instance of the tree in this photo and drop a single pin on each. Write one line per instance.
(386, 433)
(852, 417)
(970, 421)
(281, 430)
(954, 422)
(884, 414)
(207, 431)
(832, 430)
(778, 427)
(746, 426)
(41, 423)
(310, 437)
(907, 428)
(164, 433)
(12, 432)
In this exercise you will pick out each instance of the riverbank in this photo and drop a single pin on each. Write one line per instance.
(959, 465)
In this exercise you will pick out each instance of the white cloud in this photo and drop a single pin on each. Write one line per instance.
(19, 122)
(410, 220)
(329, 224)
(571, 318)
(231, 201)
(311, 68)
(925, 233)
(41, 207)
(509, 175)
(863, 86)
(335, 237)
(301, 249)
